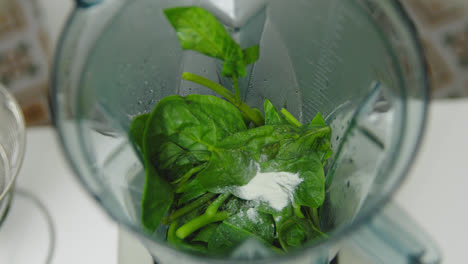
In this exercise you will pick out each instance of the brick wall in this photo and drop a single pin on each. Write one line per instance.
(25, 57)
(443, 26)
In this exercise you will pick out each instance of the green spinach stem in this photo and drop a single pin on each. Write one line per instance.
(315, 217)
(171, 237)
(235, 83)
(317, 131)
(199, 222)
(214, 206)
(211, 215)
(251, 114)
(298, 212)
(192, 206)
(290, 118)
(187, 175)
(211, 85)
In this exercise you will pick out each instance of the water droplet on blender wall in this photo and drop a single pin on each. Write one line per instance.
(146, 82)
(140, 102)
(337, 137)
(151, 91)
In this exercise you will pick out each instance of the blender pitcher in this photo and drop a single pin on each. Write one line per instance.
(358, 62)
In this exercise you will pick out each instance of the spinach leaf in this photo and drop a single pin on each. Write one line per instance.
(181, 244)
(177, 136)
(272, 116)
(233, 205)
(137, 129)
(197, 29)
(255, 139)
(318, 121)
(181, 131)
(251, 54)
(215, 108)
(258, 223)
(157, 198)
(311, 191)
(308, 140)
(206, 233)
(249, 113)
(295, 232)
(323, 146)
(190, 191)
(227, 167)
(278, 216)
(238, 228)
(234, 160)
(227, 237)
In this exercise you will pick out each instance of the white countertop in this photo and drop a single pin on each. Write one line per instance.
(83, 232)
(435, 192)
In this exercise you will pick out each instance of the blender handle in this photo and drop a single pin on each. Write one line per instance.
(393, 237)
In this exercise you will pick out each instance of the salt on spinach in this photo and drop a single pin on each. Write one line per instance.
(196, 148)
(237, 228)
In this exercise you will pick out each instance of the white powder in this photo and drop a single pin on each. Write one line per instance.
(252, 215)
(274, 188)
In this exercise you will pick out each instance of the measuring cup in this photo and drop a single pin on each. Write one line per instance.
(358, 62)
(12, 143)
(21, 212)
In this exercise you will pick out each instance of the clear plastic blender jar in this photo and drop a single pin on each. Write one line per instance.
(358, 62)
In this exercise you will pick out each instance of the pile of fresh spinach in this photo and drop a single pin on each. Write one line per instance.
(195, 147)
